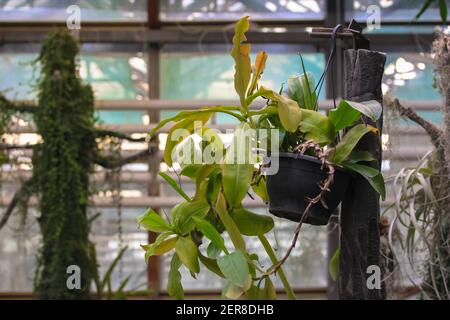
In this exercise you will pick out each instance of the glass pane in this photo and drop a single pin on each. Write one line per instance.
(19, 242)
(212, 69)
(110, 233)
(113, 76)
(391, 10)
(51, 10)
(205, 10)
(410, 76)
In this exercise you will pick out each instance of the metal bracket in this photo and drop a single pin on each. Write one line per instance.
(354, 31)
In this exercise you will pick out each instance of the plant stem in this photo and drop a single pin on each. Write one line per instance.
(290, 293)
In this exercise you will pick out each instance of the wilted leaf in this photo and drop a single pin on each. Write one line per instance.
(241, 56)
(232, 291)
(260, 65)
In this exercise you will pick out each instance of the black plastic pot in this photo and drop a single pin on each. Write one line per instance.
(297, 180)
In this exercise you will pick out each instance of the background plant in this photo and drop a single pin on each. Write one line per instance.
(62, 162)
(421, 225)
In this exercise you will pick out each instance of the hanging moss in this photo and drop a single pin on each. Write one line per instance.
(61, 166)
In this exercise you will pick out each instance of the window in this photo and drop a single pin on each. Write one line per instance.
(391, 10)
(229, 10)
(56, 11)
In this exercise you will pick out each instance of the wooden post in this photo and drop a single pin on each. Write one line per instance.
(360, 237)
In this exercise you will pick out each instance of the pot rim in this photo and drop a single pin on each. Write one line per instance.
(299, 156)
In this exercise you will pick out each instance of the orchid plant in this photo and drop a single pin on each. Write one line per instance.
(194, 233)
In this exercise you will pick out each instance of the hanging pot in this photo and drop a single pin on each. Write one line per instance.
(297, 180)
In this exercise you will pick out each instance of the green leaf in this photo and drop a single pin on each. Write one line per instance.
(371, 109)
(160, 246)
(237, 172)
(109, 272)
(213, 188)
(174, 286)
(235, 268)
(186, 127)
(317, 127)
(204, 172)
(269, 290)
(308, 87)
(152, 221)
(230, 225)
(350, 140)
(183, 214)
(236, 179)
(260, 188)
(443, 10)
(165, 246)
(241, 56)
(288, 110)
(213, 251)
(360, 156)
(252, 224)
(187, 251)
(175, 185)
(254, 293)
(194, 113)
(373, 176)
(211, 265)
(190, 170)
(424, 8)
(210, 232)
(333, 267)
(344, 116)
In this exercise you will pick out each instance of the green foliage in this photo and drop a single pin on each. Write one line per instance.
(61, 166)
(443, 9)
(333, 267)
(221, 187)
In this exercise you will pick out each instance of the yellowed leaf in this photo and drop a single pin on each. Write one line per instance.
(241, 56)
(260, 65)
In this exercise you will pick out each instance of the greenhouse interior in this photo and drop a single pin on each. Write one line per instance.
(224, 150)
